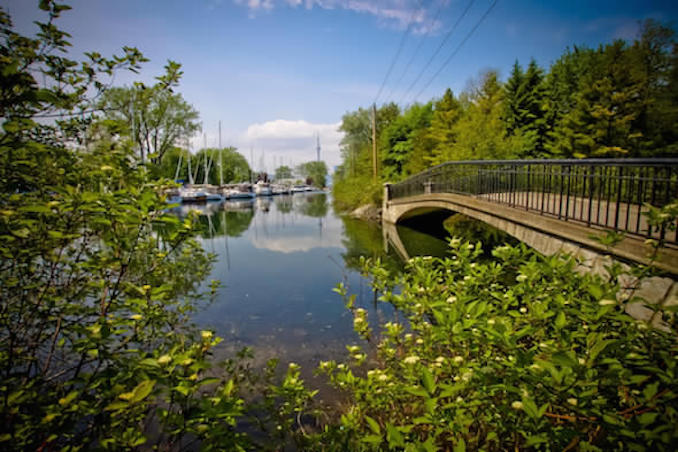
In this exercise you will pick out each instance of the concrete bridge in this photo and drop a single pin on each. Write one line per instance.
(556, 206)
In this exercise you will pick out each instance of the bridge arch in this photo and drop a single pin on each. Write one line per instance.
(546, 235)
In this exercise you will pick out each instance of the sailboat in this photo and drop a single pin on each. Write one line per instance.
(190, 194)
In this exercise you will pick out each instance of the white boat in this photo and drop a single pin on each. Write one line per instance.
(192, 195)
(262, 188)
(298, 189)
(278, 189)
(242, 191)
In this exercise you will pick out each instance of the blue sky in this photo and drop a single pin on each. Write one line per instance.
(276, 72)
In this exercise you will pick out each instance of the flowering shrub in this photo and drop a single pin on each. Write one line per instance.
(520, 352)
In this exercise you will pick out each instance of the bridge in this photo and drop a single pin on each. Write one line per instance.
(551, 205)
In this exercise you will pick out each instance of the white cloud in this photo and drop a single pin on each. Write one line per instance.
(398, 13)
(290, 141)
(276, 142)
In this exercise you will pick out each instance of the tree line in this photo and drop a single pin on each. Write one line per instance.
(617, 100)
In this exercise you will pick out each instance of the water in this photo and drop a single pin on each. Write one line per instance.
(278, 260)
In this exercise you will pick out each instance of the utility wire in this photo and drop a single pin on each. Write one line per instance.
(416, 51)
(397, 54)
(435, 54)
(452, 55)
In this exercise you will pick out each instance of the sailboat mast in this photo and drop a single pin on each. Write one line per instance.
(221, 169)
(188, 157)
(204, 139)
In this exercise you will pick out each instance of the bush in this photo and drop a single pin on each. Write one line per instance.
(352, 192)
(522, 352)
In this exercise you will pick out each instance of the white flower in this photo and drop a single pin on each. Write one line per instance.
(582, 361)
(467, 278)
(491, 322)
(517, 405)
(411, 360)
(521, 278)
(470, 246)
(164, 359)
(607, 302)
(451, 299)
(440, 359)
(523, 310)
(420, 341)
(382, 377)
(458, 359)
(360, 311)
(353, 348)
(206, 334)
(572, 401)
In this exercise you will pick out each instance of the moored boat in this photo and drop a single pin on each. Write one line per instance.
(262, 188)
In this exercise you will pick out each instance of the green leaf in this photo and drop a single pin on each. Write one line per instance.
(530, 408)
(598, 348)
(21, 233)
(372, 439)
(140, 392)
(647, 418)
(374, 426)
(460, 446)
(393, 436)
(561, 320)
(417, 391)
(428, 381)
(68, 399)
(117, 405)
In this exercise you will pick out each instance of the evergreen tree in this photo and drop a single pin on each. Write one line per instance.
(524, 111)
(481, 132)
(441, 133)
(513, 98)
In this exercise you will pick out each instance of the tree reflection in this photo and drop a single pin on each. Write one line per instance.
(315, 205)
(225, 222)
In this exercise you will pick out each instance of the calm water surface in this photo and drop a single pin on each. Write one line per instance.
(278, 259)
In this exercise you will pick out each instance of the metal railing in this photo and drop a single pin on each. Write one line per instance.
(607, 193)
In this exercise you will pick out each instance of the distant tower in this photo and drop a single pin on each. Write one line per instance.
(317, 148)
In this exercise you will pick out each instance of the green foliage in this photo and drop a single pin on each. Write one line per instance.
(314, 172)
(283, 172)
(156, 117)
(97, 280)
(352, 192)
(524, 111)
(403, 143)
(522, 352)
(619, 100)
(446, 113)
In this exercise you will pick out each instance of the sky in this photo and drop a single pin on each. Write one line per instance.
(280, 73)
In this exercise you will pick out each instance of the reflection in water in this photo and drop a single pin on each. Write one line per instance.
(278, 259)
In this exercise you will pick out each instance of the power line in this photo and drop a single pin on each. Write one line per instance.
(416, 51)
(435, 54)
(452, 55)
(397, 54)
